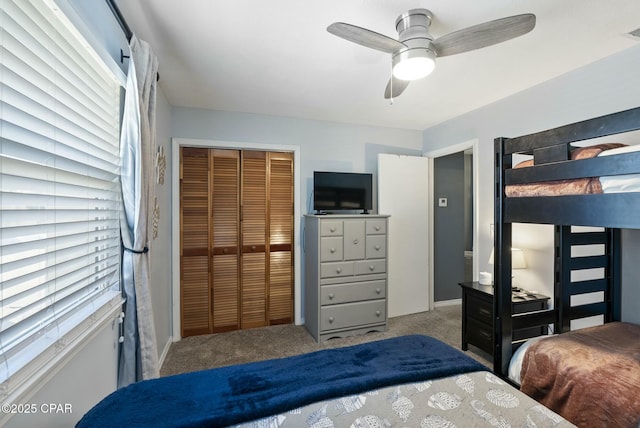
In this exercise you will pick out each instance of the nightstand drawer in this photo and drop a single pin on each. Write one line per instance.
(480, 335)
(480, 309)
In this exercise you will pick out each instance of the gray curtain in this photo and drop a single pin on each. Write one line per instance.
(139, 355)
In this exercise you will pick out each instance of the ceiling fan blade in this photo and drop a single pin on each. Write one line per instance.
(364, 37)
(483, 35)
(397, 86)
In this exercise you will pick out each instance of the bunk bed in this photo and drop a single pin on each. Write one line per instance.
(576, 198)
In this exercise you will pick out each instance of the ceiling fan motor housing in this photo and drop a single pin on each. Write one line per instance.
(413, 32)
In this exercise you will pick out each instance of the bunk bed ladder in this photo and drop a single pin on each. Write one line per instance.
(565, 287)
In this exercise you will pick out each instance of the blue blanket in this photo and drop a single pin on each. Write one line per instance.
(235, 394)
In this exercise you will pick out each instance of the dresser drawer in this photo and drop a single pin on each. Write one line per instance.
(352, 314)
(375, 227)
(480, 309)
(330, 228)
(330, 248)
(337, 269)
(376, 247)
(353, 292)
(366, 267)
(480, 335)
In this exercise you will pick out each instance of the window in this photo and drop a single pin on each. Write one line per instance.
(59, 187)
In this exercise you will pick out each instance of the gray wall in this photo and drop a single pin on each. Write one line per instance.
(449, 226)
(607, 86)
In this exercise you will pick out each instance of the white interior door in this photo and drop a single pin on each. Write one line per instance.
(403, 193)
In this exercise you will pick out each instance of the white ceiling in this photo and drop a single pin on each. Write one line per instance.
(275, 57)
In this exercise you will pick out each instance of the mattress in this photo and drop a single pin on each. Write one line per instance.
(581, 186)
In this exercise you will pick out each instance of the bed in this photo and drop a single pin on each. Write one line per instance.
(602, 192)
(410, 380)
(599, 356)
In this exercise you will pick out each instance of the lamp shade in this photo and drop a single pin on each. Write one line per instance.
(517, 259)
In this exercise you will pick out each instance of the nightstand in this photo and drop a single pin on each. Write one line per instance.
(477, 315)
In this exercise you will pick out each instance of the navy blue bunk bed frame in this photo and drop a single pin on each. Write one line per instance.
(551, 153)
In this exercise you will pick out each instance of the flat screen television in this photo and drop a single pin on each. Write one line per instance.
(339, 191)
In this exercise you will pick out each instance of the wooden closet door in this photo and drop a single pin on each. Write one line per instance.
(236, 267)
(254, 239)
(280, 255)
(194, 245)
(225, 235)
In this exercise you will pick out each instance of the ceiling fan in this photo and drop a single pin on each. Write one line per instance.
(414, 54)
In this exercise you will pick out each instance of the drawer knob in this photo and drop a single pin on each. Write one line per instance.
(253, 248)
(333, 250)
(338, 270)
(378, 291)
(330, 296)
(377, 247)
(330, 320)
(333, 229)
(372, 268)
(355, 242)
(377, 313)
(377, 228)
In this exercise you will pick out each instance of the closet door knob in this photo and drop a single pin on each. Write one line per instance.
(377, 228)
(333, 229)
(330, 320)
(377, 313)
(338, 270)
(378, 291)
(330, 296)
(253, 248)
(225, 251)
(372, 268)
(333, 250)
(377, 247)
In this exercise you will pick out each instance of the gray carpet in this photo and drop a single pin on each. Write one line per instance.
(243, 346)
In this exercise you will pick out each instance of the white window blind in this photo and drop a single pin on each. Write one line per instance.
(59, 184)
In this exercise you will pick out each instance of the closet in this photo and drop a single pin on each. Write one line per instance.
(236, 258)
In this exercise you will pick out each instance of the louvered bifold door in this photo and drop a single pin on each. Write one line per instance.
(280, 255)
(194, 245)
(254, 234)
(225, 235)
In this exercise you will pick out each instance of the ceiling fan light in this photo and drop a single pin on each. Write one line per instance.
(413, 64)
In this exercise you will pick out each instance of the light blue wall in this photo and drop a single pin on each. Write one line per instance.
(325, 146)
(607, 86)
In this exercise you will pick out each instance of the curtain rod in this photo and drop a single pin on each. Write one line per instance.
(125, 28)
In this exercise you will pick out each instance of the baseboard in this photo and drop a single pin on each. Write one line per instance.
(452, 302)
(165, 351)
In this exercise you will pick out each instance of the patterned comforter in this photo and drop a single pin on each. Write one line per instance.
(473, 399)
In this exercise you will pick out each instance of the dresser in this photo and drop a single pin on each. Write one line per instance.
(346, 274)
(478, 319)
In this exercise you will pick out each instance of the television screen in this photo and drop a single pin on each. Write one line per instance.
(333, 191)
